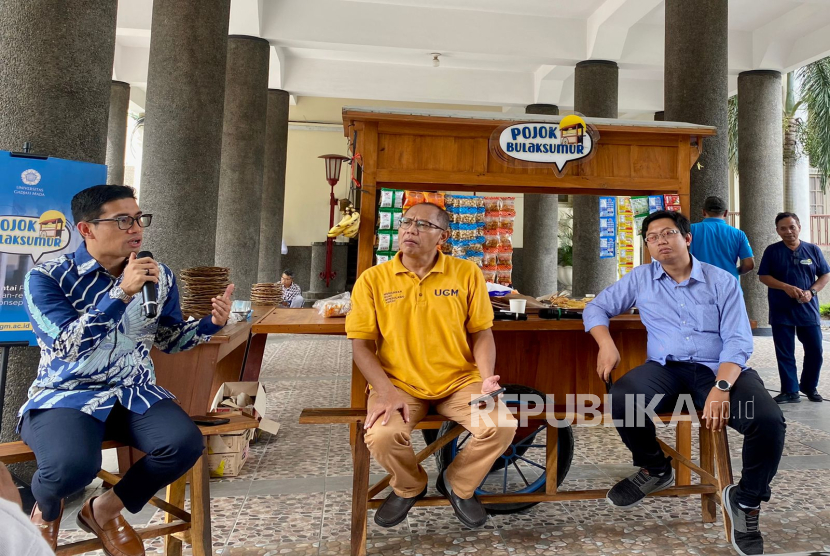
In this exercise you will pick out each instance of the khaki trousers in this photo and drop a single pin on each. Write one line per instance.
(391, 447)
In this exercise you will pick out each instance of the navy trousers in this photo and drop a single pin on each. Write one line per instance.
(810, 337)
(753, 413)
(67, 445)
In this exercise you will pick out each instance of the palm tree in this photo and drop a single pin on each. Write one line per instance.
(811, 137)
(796, 164)
(815, 93)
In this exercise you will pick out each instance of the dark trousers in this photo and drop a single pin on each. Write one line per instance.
(67, 445)
(810, 337)
(753, 413)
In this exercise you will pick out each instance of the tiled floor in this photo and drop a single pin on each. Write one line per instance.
(293, 495)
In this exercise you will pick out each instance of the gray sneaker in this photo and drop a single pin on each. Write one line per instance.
(746, 533)
(630, 491)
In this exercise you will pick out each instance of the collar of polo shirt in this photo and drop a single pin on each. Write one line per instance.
(399, 268)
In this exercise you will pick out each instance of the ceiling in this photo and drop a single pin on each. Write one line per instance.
(493, 52)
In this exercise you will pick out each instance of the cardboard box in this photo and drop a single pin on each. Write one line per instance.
(223, 402)
(227, 453)
(227, 465)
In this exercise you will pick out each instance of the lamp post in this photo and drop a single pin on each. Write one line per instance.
(333, 163)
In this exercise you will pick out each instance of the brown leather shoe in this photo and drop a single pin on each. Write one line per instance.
(49, 529)
(117, 536)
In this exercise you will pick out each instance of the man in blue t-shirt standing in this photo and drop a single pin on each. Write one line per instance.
(795, 271)
(719, 244)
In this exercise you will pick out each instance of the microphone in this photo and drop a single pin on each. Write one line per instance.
(148, 292)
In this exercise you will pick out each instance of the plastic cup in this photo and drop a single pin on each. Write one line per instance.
(518, 305)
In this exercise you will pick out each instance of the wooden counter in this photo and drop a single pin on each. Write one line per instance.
(554, 356)
(194, 376)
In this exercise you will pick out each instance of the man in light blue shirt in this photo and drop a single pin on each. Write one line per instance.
(699, 340)
(717, 243)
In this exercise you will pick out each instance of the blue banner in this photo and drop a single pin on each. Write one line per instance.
(35, 226)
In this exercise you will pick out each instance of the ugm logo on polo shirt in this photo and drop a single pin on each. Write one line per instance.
(446, 293)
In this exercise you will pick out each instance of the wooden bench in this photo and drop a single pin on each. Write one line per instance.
(191, 527)
(714, 453)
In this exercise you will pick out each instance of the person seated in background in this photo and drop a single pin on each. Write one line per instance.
(699, 341)
(291, 292)
(421, 332)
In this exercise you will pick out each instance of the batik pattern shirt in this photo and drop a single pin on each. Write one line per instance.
(95, 349)
(290, 293)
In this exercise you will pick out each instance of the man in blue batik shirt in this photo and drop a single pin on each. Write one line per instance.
(96, 381)
(699, 341)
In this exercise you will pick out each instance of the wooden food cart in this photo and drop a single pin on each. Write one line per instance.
(450, 151)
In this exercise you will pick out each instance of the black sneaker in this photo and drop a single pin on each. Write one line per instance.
(394, 509)
(813, 396)
(630, 491)
(787, 397)
(746, 533)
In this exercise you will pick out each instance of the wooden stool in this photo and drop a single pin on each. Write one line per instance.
(191, 527)
(714, 458)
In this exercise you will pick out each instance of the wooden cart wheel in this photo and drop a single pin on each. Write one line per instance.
(521, 469)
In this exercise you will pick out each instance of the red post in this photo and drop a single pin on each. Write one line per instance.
(327, 274)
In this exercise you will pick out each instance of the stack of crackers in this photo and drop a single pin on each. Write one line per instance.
(266, 293)
(201, 284)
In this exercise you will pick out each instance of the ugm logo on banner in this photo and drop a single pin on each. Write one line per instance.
(35, 226)
(549, 144)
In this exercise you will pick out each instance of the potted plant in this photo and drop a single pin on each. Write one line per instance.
(566, 251)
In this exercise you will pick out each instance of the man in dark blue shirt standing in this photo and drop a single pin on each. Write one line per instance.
(795, 271)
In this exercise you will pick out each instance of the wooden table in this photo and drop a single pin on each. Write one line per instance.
(194, 376)
(286, 321)
(554, 356)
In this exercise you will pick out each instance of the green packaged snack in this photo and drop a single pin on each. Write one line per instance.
(383, 256)
(389, 218)
(387, 240)
(391, 198)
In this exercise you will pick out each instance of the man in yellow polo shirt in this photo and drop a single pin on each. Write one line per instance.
(421, 333)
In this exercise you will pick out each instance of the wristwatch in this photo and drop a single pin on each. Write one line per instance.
(117, 293)
(723, 385)
(814, 292)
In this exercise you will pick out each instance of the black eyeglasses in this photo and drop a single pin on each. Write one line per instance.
(126, 222)
(420, 225)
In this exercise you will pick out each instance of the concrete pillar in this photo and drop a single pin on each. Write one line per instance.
(541, 227)
(696, 87)
(316, 285)
(273, 187)
(243, 160)
(117, 131)
(760, 149)
(797, 192)
(596, 86)
(543, 109)
(660, 116)
(183, 129)
(55, 79)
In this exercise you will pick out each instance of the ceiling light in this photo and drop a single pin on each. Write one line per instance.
(435, 61)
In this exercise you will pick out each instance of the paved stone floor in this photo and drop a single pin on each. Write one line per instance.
(293, 495)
